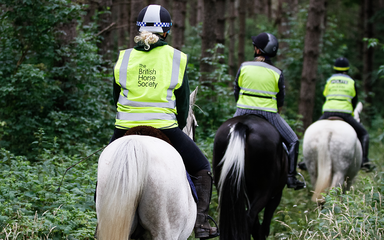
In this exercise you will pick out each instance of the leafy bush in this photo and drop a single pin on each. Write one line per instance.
(31, 207)
(46, 82)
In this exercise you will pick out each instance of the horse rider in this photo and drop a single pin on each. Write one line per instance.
(340, 100)
(259, 89)
(151, 88)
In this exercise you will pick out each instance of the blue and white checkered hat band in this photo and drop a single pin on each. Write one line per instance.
(155, 24)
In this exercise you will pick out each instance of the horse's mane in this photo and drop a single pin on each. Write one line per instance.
(148, 131)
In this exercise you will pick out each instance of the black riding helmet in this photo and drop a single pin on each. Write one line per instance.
(341, 64)
(155, 19)
(267, 43)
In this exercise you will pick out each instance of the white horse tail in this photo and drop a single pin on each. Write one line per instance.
(324, 167)
(122, 180)
(231, 186)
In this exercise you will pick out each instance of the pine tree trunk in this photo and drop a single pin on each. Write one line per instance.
(232, 38)
(178, 18)
(316, 14)
(123, 24)
(192, 12)
(200, 11)
(368, 58)
(242, 17)
(136, 6)
(220, 27)
(207, 36)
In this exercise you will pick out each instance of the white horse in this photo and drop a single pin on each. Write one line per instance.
(142, 179)
(332, 153)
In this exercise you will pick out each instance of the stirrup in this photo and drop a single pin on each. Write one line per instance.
(217, 229)
(367, 167)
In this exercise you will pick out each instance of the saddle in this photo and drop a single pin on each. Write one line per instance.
(335, 118)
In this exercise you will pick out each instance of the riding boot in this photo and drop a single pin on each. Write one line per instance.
(293, 153)
(203, 185)
(366, 165)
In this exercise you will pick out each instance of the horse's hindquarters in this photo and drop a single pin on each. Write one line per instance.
(144, 177)
(167, 208)
(332, 153)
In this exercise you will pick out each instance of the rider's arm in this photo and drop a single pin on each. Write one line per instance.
(116, 91)
(182, 102)
(236, 88)
(355, 100)
(281, 94)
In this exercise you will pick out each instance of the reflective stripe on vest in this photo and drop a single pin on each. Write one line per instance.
(148, 81)
(258, 83)
(339, 92)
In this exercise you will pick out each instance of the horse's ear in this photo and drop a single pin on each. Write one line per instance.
(192, 97)
(357, 111)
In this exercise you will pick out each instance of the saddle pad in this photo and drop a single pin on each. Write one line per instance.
(193, 189)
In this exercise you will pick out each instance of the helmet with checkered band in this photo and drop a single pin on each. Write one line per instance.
(267, 43)
(155, 19)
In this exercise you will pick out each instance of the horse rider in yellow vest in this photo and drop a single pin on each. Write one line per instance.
(340, 100)
(259, 89)
(151, 88)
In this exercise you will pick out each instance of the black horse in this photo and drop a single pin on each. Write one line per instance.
(250, 173)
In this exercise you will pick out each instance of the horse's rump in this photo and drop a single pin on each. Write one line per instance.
(249, 169)
(142, 178)
(332, 153)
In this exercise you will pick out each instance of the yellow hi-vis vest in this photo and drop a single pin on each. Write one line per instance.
(339, 92)
(148, 81)
(258, 82)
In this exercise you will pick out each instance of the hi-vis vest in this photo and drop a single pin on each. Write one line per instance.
(258, 82)
(148, 81)
(339, 92)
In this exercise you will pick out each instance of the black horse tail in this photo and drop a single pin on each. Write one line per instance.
(231, 187)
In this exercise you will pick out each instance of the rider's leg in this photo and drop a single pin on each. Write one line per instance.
(293, 153)
(198, 166)
(363, 136)
(291, 139)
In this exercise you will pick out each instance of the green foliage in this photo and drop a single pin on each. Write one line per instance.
(58, 86)
(31, 206)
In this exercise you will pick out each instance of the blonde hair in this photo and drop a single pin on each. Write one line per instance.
(147, 38)
(260, 59)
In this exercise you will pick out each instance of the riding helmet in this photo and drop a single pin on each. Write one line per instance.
(341, 64)
(267, 43)
(154, 18)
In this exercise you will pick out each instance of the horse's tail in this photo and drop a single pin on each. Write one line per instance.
(231, 186)
(324, 167)
(122, 190)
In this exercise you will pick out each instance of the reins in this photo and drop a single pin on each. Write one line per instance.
(58, 189)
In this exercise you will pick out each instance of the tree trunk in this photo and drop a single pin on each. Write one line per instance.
(200, 11)
(136, 6)
(123, 24)
(368, 58)
(242, 17)
(206, 41)
(232, 38)
(192, 12)
(178, 27)
(316, 14)
(220, 27)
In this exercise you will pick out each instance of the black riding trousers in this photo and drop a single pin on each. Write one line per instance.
(360, 130)
(193, 157)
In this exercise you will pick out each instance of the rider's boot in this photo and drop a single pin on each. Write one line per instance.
(203, 184)
(293, 153)
(366, 165)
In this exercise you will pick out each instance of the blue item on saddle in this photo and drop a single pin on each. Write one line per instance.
(193, 189)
